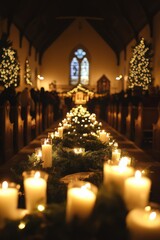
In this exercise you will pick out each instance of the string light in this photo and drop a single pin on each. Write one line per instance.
(9, 68)
(140, 71)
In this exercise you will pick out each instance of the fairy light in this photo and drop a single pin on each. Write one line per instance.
(140, 73)
(9, 68)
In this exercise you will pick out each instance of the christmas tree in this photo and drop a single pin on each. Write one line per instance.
(9, 65)
(27, 75)
(140, 71)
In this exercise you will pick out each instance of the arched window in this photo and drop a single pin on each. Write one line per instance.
(79, 68)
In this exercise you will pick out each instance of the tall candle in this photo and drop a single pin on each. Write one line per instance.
(81, 197)
(143, 224)
(116, 153)
(60, 132)
(136, 191)
(8, 200)
(46, 152)
(35, 187)
(116, 175)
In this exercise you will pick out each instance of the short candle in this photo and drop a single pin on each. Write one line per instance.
(81, 197)
(117, 174)
(136, 191)
(35, 186)
(143, 224)
(79, 150)
(8, 200)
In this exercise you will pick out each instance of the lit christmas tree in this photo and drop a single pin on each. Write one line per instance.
(9, 68)
(27, 75)
(140, 71)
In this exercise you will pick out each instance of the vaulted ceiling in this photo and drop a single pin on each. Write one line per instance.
(42, 21)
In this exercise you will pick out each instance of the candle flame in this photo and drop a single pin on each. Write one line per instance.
(37, 175)
(138, 174)
(123, 162)
(152, 216)
(148, 208)
(41, 207)
(5, 185)
(86, 186)
(126, 160)
(22, 225)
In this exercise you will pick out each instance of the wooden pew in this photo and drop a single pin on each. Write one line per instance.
(147, 116)
(121, 119)
(49, 115)
(115, 115)
(6, 134)
(27, 126)
(156, 136)
(18, 128)
(130, 121)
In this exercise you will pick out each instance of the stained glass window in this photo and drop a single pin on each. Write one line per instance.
(79, 68)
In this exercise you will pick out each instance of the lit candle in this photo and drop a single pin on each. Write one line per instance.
(60, 132)
(51, 135)
(38, 153)
(35, 186)
(81, 197)
(46, 152)
(143, 224)
(116, 153)
(79, 150)
(136, 191)
(8, 200)
(117, 174)
(103, 136)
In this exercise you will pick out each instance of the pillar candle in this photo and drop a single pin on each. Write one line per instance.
(116, 175)
(143, 224)
(60, 132)
(46, 152)
(81, 197)
(136, 191)
(35, 186)
(8, 200)
(116, 153)
(103, 136)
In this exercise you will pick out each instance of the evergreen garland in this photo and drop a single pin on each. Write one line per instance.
(108, 216)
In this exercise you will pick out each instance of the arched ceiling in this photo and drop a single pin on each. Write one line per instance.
(42, 21)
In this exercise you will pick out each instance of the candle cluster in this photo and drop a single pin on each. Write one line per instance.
(118, 174)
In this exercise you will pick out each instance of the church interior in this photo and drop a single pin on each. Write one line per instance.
(80, 120)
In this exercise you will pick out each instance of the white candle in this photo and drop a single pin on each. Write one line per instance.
(103, 136)
(60, 132)
(116, 175)
(79, 150)
(38, 153)
(46, 152)
(81, 197)
(35, 186)
(8, 200)
(116, 153)
(51, 135)
(136, 191)
(143, 225)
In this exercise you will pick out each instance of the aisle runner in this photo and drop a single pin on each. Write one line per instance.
(77, 185)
